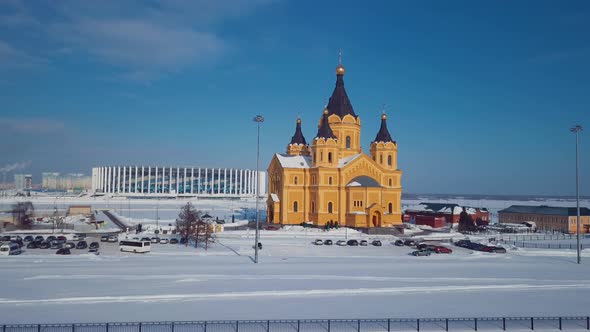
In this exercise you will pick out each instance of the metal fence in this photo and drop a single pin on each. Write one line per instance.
(325, 325)
(546, 245)
(537, 237)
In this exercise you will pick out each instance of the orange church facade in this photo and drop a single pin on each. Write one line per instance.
(331, 179)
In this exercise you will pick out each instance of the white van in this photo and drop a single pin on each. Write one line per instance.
(10, 249)
(135, 246)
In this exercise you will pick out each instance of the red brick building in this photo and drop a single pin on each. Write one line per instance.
(450, 213)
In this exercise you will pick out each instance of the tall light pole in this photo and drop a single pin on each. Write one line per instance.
(258, 119)
(576, 130)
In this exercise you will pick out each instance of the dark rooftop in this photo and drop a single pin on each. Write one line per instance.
(546, 210)
(383, 134)
(325, 131)
(298, 138)
(339, 103)
(364, 181)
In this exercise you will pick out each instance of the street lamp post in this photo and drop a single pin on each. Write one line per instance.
(258, 119)
(576, 130)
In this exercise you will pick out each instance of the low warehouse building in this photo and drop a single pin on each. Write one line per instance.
(450, 212)
(547, 218)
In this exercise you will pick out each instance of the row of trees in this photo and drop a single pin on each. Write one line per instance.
(23, 214)
(192, 228)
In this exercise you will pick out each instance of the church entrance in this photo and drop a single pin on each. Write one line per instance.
(376, 219)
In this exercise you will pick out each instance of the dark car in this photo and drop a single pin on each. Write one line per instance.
(32, 245)
(5, 238)
(28, 238)
(56, 245)
(43, 245)
(94, 251)
(183, 240)
(61, 238)
(425, 246)
(442, 250)
(399, 243)
(155, 240)
(39, 238)
(377, 243)
(63, 251)
(421, 253)
(409, 243)
(353, 243)
(94, 245)
(499, 250)
(476, 246)
(70, 245)
(50, 238)
(18, 242)
(82, 245)
(463, 243)
(328, 242)
(146, 239)
(364, 243)
(104, 238)
(173, 241)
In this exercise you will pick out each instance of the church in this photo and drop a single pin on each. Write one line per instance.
(331, 179)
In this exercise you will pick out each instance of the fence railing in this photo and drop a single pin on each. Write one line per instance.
(546, 245)
(536, 237)
(324, 325)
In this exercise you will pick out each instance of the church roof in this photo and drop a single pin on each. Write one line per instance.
(363, 181)
(339, 103)
(288, 161)
(383, 134)
(298, 138)
(324, 131)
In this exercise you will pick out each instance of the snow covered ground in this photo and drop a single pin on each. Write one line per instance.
(294, 280)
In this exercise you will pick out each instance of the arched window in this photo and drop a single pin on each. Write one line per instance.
(295, 180)
(330, 180)
(295, 206)
(381, 158)
(321, 156)
(390, 207)
(329, 157)
(390, 182)
(389, 160)
(312, 207)
(348, 142)
(329, 207)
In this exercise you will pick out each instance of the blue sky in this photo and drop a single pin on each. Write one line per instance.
(480, 94)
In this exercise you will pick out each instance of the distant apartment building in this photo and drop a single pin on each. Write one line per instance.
(67, 182)
(23, 181)
(547, 218)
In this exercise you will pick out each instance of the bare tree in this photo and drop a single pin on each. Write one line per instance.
(23, 214)
(187, 221)
(209, 235)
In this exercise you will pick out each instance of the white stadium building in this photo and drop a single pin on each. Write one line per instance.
(177, 181)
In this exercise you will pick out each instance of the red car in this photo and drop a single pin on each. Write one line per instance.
(442, 250)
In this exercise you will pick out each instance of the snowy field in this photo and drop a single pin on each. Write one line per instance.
(294, 279)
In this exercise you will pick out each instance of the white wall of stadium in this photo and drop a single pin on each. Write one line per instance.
(177, 181)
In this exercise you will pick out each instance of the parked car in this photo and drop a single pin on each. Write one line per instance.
(409, 243)
(61, 238)
(56, 244)
(421, 253)
(442, 250)
(173, 241)
(399, 243)
(376, 243)
(70, 245)
(39, 238)
(78, 237)
(43, 245)
(183, 240)
(425, 246)
(28, 238)
(328, 242)
(63, 251)
(463, 243)
(94, 245)
(18, 242)
(32, 245)
(146, 239)
(155, 240)
(82, 245)
(104, 238)
(10, 249)
(14, 238)
(113, 238)
(318, 242)
(50, 238)
(340, 243)
(499, 250)
(163, 241)
(353, 243)
(94, 251)
(364, 243)
(5, 238)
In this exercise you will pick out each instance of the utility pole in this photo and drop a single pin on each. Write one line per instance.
(258, 119)
(576, 130)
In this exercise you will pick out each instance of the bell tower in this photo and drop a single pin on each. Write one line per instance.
(384, 148)
(298, 145)
(324, 148)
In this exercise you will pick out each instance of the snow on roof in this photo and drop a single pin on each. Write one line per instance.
(275, 198)
(288, 161)
(344, 161)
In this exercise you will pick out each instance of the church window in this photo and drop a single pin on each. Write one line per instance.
(390, 207)
(389, 160)
(312, 207)
(348, 142)
(381, 158)
(329, 207)
(295, 180)
(330, 180)
(329, 157)
(314, 157)
(390, 182)
(295, 206)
